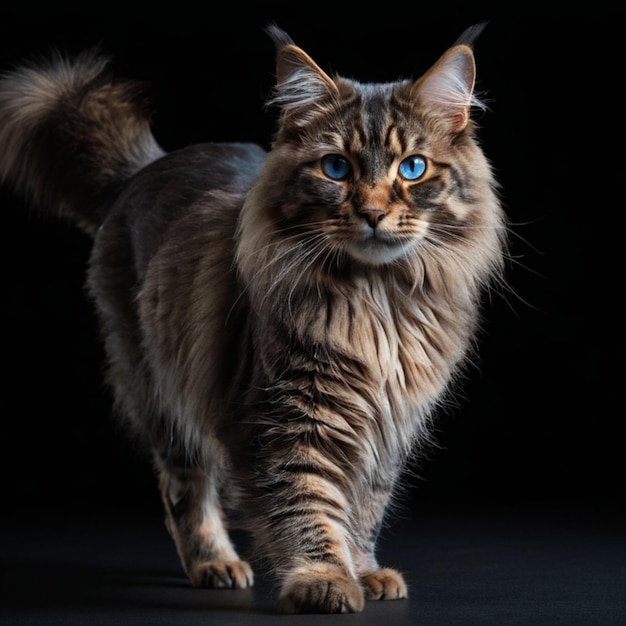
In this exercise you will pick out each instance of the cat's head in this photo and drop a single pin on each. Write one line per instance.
(375, 174)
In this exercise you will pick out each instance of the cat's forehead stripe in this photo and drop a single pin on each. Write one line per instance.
(395, 140)
(376, 138)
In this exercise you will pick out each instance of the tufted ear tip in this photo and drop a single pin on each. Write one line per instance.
(471, 34)
(301, 85)
(278, 35)
(447, 88)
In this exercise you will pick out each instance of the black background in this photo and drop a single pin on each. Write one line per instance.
(540, 420)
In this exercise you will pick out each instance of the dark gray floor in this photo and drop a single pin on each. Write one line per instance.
(479, 567)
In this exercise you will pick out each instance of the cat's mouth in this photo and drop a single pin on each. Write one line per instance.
(378, 249)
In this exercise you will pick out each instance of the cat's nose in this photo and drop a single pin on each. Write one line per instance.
(372, 216)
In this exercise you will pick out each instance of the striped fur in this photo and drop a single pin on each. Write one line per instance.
(278, 334)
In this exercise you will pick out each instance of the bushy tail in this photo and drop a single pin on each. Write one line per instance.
(70, 134)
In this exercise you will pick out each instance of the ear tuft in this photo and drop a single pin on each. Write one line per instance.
(301, 85)
(447, 89)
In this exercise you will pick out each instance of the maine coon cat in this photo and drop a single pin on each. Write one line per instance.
(279, 326)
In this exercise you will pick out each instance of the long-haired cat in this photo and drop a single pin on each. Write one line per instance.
(279, 326)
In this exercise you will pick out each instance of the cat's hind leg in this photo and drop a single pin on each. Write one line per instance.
(195, 520)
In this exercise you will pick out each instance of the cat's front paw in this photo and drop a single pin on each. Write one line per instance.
(320, 588)
(222, 575)
(384, 584)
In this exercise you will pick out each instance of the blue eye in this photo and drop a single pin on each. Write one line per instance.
(335, 166)
(412, 167)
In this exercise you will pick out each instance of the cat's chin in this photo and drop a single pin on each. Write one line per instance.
(375, 252)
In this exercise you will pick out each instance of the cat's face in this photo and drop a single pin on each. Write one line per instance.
(372, 172)
(372, 179)
(363, 176)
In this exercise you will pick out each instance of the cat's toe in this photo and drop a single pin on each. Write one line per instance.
(384, 584)
(222, 575)
(321, 588)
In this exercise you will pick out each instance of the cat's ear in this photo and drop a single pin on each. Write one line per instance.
(447, 88)
(302, 87)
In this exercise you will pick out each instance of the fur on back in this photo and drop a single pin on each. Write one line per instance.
(279, 327)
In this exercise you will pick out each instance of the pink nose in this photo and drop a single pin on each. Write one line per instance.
(372, 216)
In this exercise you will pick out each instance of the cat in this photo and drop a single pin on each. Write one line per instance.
(280, 326)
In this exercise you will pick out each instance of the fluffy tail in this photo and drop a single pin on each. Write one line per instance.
(70, 134)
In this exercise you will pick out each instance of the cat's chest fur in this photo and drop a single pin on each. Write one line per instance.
(369, 354)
